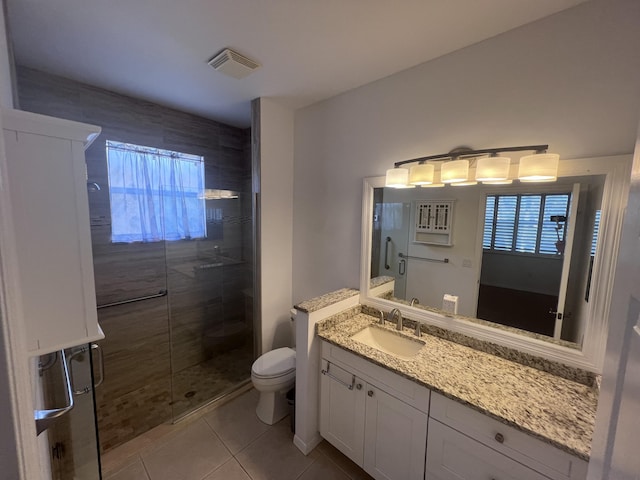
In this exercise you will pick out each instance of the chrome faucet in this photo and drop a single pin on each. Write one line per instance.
(392, 315)
(414, 301)
(381, 321)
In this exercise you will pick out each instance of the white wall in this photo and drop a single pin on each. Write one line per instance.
(276, 218)
(571, 80)
(9, 430)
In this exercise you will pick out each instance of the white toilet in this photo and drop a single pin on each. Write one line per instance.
(273, 374)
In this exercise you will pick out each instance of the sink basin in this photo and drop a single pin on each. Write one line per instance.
(389, 342)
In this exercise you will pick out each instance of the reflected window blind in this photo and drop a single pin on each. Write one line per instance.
(521, 223)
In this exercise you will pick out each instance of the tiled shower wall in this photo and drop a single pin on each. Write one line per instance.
(136, 394)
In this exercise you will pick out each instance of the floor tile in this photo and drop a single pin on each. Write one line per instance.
(352, 470)
(323, 469)
(135, 471)
(189, 455)
(229, 471)
(236, 422)
(273, 456)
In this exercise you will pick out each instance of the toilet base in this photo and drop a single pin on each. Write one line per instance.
(272, 407)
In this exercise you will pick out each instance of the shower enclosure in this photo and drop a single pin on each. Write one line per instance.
(172, 240)
(174, 280)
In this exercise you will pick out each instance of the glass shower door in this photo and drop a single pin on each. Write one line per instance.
(71, 440)
(210, 305)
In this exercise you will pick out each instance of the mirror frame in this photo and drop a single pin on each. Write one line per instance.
(590, 357)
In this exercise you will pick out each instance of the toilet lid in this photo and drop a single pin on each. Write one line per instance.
(274, 363)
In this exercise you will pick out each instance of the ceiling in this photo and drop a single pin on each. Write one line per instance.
(309, 50)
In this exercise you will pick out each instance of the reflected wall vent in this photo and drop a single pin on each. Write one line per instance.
(233, 64)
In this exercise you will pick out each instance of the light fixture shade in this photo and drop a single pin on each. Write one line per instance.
(397, 178)
(454, 171)
(464, 184)
(499, 182)
(421, 174)
(541, 167)
(492, 169)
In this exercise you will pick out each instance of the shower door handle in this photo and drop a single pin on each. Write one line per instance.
(81, 351)
(44, 418)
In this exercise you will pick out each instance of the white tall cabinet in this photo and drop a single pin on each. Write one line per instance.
(50, 212)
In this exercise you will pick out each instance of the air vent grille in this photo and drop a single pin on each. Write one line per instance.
(233, 64)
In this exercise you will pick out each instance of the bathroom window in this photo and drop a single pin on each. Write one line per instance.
(155, 194)
(526, 223)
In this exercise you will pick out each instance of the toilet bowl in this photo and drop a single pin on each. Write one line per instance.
(273, 374)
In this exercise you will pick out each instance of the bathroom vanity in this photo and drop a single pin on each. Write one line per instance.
(449, 411)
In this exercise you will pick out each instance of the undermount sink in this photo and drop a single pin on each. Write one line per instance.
(389, 342)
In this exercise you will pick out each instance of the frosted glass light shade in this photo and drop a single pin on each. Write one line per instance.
(397, 178)
(454, 171)
(421, 174)
(492, 169)
(541, 167)
(499, 182)
(464, 184)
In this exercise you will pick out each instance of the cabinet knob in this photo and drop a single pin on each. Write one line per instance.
(359, 386)
(499, 438)
(370, 393)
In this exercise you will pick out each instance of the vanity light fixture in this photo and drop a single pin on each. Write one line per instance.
(421, 174)
(454, 171)
(491, 168)
(541, 167)
(499, 182)
(464, 184)
(397, 177)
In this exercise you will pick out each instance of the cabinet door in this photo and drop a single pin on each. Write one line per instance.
(51, 221)
(454, 456)
(395, 438)
(342, 404)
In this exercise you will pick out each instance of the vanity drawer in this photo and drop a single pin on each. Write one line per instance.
(454, 456)
(524, 448)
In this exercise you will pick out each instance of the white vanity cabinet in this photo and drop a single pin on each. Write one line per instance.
(47, 183)
(465, 444)
(364, 416)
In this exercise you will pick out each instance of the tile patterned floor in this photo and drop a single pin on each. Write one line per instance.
(226, 442)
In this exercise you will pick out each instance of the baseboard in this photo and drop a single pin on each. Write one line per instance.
(307, 447)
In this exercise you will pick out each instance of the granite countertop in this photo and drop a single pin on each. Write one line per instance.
(325, 300)
(558, 411)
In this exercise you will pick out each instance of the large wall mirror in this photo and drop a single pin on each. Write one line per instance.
(524, 265)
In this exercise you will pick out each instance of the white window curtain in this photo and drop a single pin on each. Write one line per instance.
(155, 194)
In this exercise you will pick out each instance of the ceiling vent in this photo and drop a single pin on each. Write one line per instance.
(233, 64)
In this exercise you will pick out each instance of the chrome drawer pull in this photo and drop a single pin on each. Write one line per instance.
(499, 438)
(326, 372)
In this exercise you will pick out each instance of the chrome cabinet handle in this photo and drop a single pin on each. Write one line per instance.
(499, 438)
(370, 393)
(359, 386)
(44, 418)
(326, 372)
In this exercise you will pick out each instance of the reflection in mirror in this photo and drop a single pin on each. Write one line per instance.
(520, 256)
